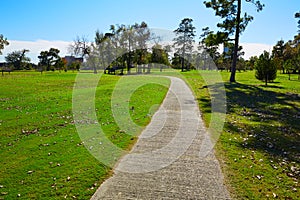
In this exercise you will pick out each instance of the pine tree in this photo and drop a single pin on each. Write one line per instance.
(265, 68)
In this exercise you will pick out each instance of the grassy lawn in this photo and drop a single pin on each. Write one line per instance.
(260, 145)
(42, 156)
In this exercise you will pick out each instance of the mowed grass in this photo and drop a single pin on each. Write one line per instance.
(42, 156)
(259, 148)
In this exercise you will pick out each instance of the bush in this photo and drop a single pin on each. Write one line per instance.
(265, 68)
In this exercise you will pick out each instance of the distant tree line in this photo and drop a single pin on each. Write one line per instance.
(125, 47)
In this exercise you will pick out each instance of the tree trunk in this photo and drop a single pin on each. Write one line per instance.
(182, 64)
(236, 42)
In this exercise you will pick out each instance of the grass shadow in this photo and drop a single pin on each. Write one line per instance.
(268, 119)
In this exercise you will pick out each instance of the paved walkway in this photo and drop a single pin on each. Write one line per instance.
(165, 163)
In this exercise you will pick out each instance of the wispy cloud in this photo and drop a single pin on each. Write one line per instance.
(35, 47)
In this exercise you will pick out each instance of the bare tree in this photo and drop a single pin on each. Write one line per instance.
(80, 47)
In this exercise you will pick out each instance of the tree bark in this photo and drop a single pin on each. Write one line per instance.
(236, 42)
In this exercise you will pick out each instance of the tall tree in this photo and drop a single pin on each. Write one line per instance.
(183, 42)
(3, 43)
(18, 59)
(233, 24)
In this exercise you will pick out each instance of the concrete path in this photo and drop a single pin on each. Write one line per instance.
(165, 163)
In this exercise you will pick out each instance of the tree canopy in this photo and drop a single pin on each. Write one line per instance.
(265, 68)
(122, 47)
(18, 59)
(49, 59)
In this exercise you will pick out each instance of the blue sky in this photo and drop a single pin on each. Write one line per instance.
(63, 20)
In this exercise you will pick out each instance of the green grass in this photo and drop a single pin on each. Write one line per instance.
(42, 156)
(40, 147)
(259, 148)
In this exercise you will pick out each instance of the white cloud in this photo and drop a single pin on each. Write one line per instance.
(35, 48)
(255, 49)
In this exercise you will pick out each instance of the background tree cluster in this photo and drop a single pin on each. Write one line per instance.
(18, 60)
(287, 55)
(125, 47)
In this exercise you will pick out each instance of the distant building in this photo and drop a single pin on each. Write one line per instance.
(71, 59)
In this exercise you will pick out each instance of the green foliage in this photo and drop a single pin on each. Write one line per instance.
(252, 61)
(3, 43)
(60, 65)
(177, 61)
(210, 42)
(17, 59)
(159, 55)
(75, 66)
(287, 55)
(49, 59)
(265, 69)
(289, 67)
(228, 10)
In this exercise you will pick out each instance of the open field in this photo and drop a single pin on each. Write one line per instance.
(42, 156)
(260, 145)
